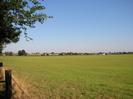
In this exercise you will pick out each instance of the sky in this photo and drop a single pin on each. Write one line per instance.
(81, 26)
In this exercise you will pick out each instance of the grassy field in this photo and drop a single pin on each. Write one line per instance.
(75, 77)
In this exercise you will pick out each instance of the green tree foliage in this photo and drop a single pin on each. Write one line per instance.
(22, 53)
(16, 16)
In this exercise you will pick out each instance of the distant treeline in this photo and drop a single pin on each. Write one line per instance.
(24, 53)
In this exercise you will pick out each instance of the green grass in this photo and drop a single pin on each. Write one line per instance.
(75, 77)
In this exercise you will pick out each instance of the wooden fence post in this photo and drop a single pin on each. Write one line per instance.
(2, 72)
(8, 77)
(1, 64)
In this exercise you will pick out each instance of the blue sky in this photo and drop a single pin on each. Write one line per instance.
(82, 26)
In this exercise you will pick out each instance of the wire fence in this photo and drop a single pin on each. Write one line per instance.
(10, 88)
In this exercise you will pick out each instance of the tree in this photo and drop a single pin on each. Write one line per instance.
(9, 53)
(22, 53)
(16, 16)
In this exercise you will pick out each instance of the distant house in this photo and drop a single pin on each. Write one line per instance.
(36, 54)
(104, 53)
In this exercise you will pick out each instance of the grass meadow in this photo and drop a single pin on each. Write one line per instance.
(74, 77)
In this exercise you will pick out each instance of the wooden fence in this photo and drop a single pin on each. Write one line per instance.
(11, 85)
(6, 81)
